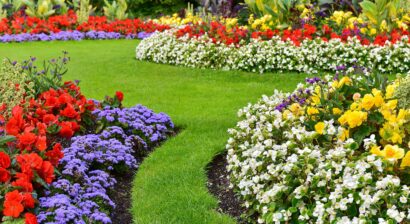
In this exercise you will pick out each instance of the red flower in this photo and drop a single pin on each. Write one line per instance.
(4, 175)
(119, 95)
(55, 155)
(69, 111)
(41, 143)
(30, 218)
(28, 162)
(47, 172)
(16, 124)
(50, 119)
(4, 160)
(28, 200)
(12, 204)
(27, 138)
(66, 129)
(23, 181)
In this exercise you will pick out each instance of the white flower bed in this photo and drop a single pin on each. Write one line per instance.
(283, 174)
(274, 55)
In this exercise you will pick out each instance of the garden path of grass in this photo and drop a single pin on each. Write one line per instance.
(170, 186)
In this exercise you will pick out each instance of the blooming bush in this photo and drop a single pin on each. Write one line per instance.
(275, 54)
(334, 150)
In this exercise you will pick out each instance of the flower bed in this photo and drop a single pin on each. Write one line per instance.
(335, 150)
(275, 54)
(66, 27)
(63, 151)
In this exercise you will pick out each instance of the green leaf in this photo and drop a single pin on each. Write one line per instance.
(6, 139)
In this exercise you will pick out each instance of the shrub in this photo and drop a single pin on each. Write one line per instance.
(15, 86)
(402, 93)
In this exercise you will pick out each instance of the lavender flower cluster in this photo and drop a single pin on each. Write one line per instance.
(137, 120)
(299, 96)
(70, 35)
(80, 195)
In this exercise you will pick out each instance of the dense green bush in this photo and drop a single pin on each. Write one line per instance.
(12, 75)
(402, 93)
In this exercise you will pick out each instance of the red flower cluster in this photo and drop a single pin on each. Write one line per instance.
(127, 26)
(53, 115)
(217, 32)
(68, 22)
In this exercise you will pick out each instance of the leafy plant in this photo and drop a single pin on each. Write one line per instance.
(383, 13)
(115, 10)
(282, 11)
(49, 76)
(83, 9)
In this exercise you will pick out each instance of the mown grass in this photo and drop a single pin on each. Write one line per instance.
(170, 186)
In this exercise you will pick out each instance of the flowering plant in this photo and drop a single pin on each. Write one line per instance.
(334, 150)
(275, 54)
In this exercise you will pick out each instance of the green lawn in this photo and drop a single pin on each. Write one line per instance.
(170, 186)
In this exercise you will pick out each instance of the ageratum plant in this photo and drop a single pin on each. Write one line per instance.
(333, 151)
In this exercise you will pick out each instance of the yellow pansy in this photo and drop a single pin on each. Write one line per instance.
(392, 152)
(378, 97)
(367, 102)
(376, 150)
(353, 118)
(355, 106)
(390, 91)
(312, 111)
(406, 160)
(336, 111)
(320, 127)
(396, 138)
(296, 109)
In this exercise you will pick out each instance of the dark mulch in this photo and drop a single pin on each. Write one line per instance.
(218, 185)
(121, 196)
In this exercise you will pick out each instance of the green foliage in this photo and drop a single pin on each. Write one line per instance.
(8, 7)
(83, 9)
(402, 93)
(142, 8)
(280, 10)
(49, 75)
(115, 10)
(15, 85)
(383, 13)
(45, 8)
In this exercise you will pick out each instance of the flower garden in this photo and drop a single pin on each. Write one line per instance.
(115, 112)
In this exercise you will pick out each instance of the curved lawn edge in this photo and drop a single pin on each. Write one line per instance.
(170, 186)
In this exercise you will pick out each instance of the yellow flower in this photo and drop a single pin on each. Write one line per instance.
(376, 150)
(355, 106)
(312, 111)
(392, 152)
(344, 134)
(396, 138)
(367, 102)
(336, 111)
(296, 109)
(344, 81)
(378, 97)
(373, 31)
(320, 127)
(353, 118)
(389, 91)
(406, 160)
